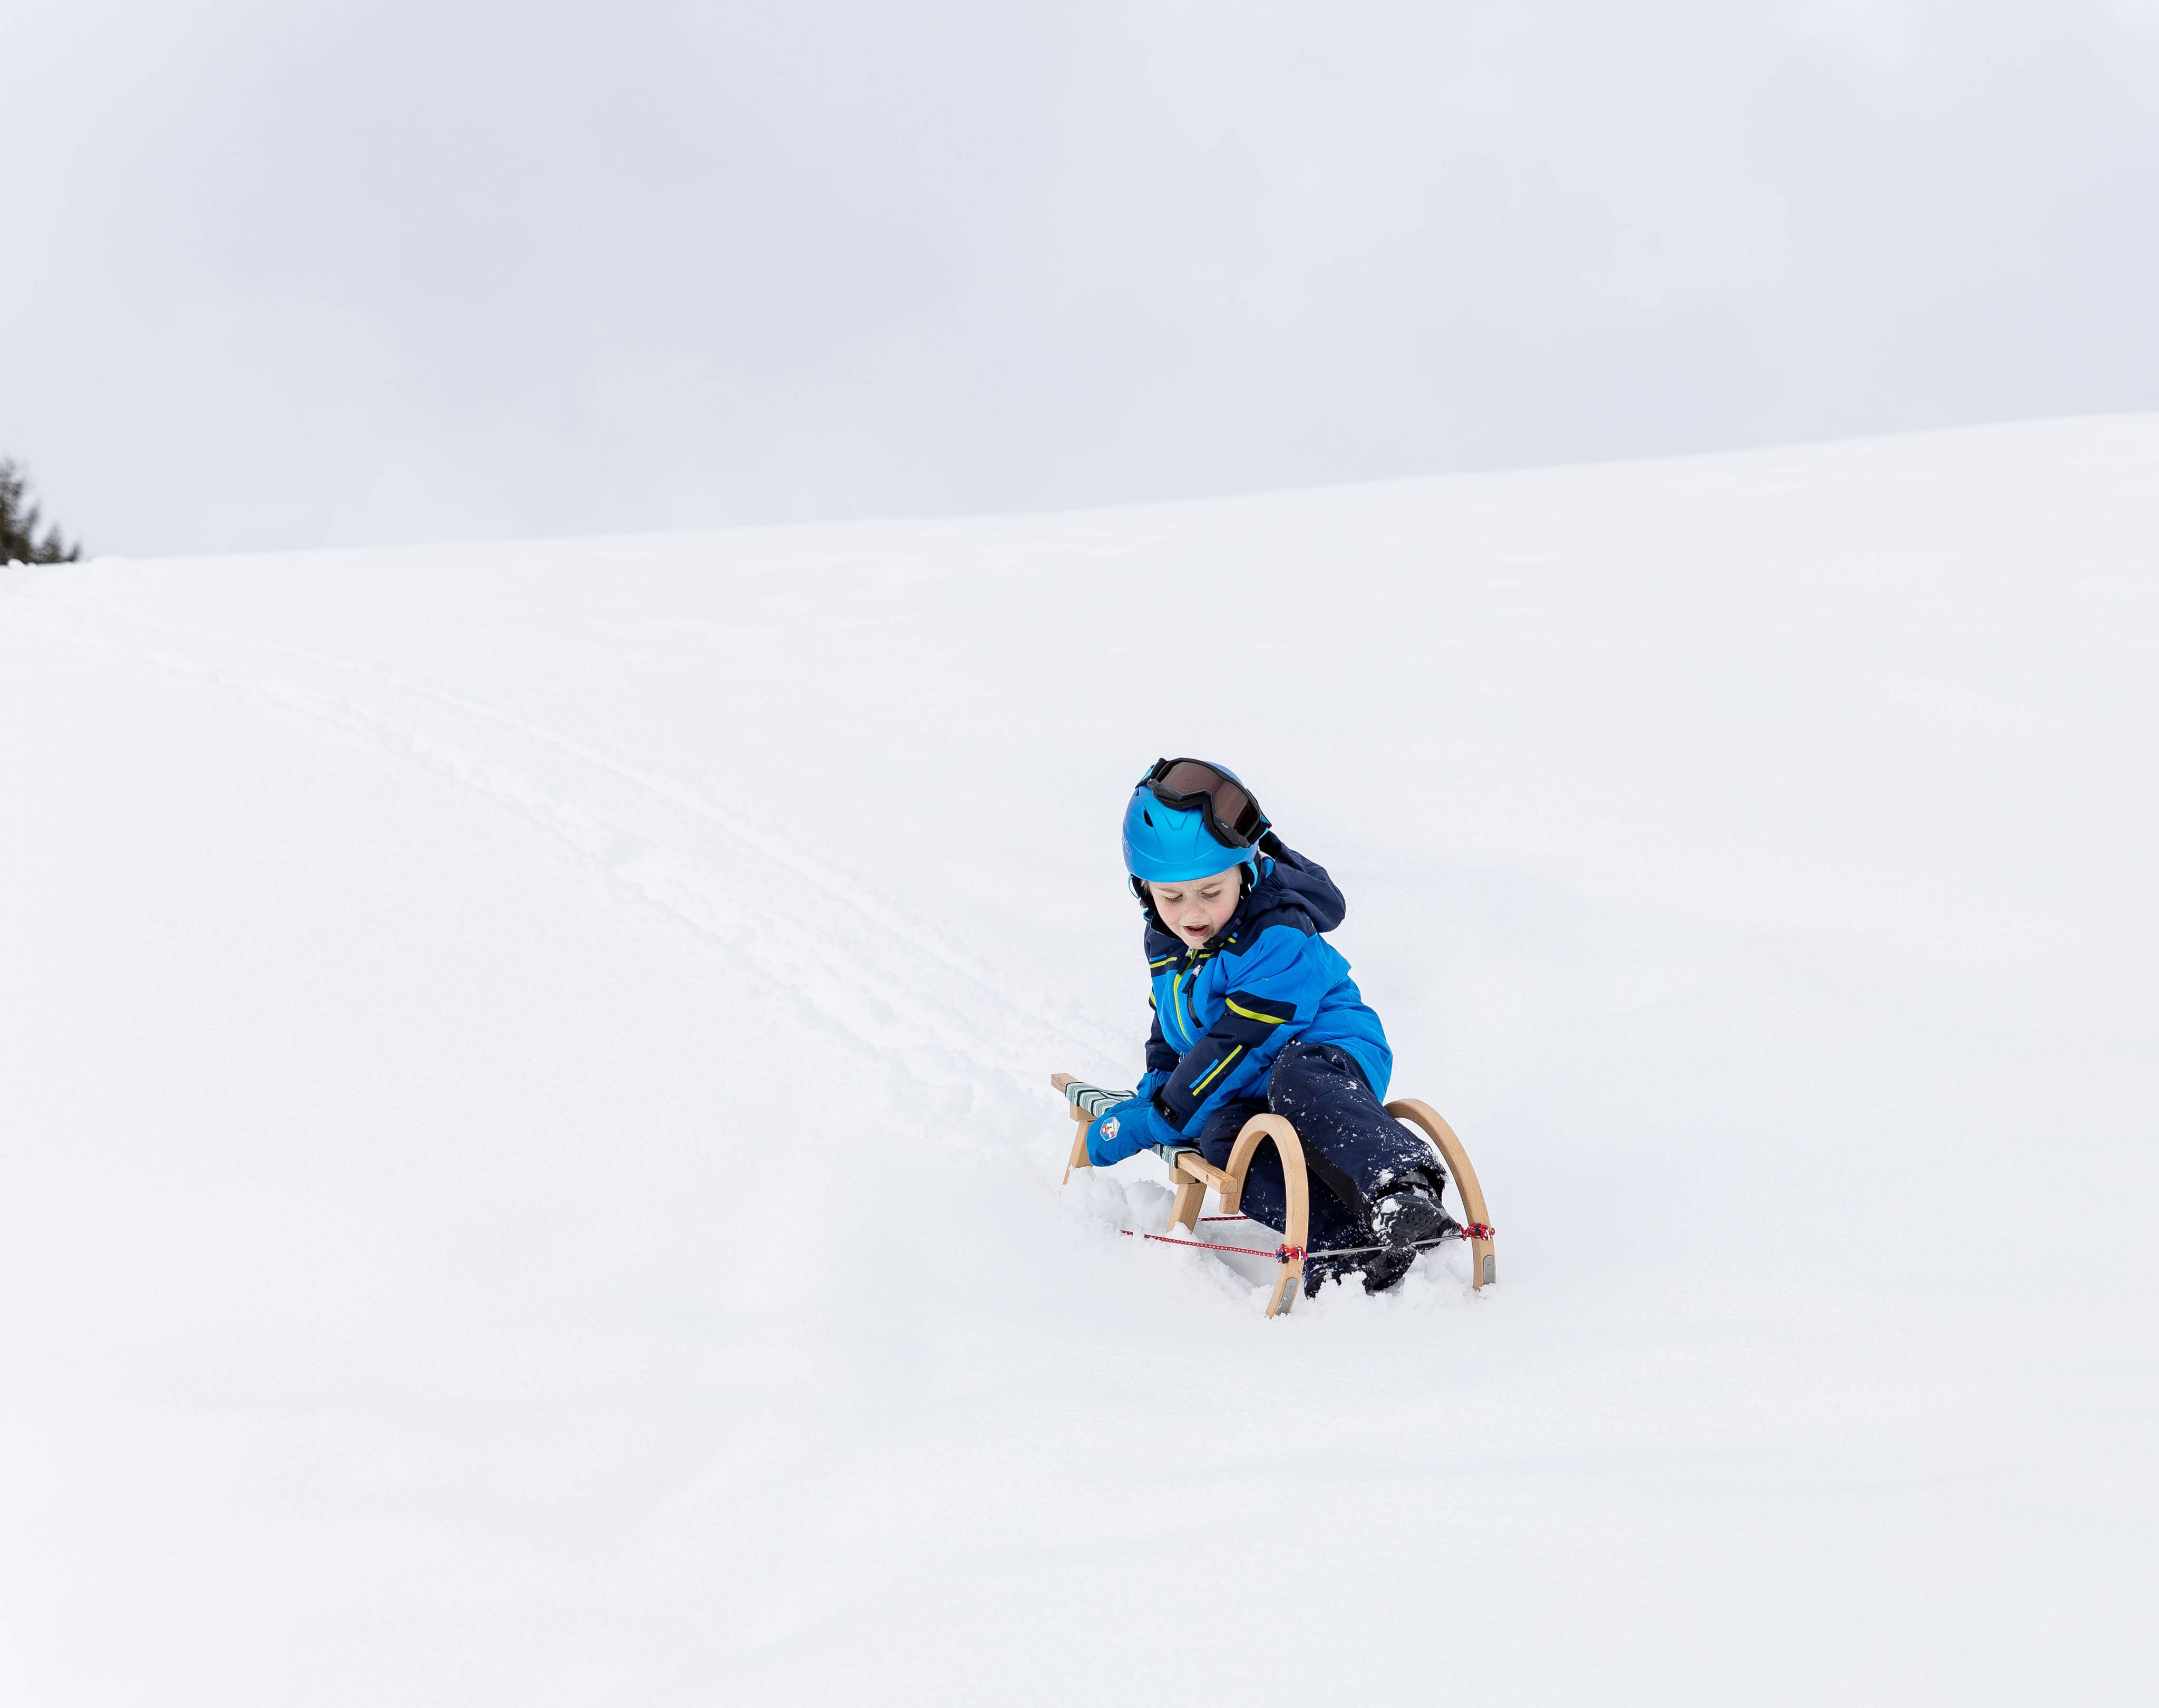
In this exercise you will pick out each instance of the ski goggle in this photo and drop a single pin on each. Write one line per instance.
(1232, 816)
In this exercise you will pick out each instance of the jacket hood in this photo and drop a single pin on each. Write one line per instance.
(1303, 883)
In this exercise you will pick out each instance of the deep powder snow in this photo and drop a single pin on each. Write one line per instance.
(529, 1174)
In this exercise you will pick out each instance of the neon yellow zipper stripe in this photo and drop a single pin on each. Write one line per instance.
(1271, 1019)
(1218, 1066)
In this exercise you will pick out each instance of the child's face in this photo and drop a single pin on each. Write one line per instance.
(1195, 910)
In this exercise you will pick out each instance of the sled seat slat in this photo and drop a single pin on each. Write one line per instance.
(1192, 1163)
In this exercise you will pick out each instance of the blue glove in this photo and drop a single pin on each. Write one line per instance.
(1127, 1129)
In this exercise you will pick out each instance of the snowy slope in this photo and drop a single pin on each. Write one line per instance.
(529, 1174)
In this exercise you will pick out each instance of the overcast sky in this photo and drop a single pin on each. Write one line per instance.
(350, 271)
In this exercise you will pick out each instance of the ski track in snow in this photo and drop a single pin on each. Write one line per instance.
(936, 1022)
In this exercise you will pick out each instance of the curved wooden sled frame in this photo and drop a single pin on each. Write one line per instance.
(1190, 1175)
(1482, 1265)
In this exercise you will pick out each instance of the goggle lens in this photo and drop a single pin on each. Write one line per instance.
(1230, 806)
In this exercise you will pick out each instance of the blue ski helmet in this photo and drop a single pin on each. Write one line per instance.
(1166, 844)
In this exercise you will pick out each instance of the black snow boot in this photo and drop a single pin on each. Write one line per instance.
(1320, 1270)
(1405, 1220)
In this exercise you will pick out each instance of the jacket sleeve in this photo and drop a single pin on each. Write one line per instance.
(1161, 1059)
(1275, 988)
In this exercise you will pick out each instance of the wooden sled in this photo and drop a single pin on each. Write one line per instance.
(1190, 1175)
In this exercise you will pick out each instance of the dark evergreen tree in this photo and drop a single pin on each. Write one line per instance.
(18, 524)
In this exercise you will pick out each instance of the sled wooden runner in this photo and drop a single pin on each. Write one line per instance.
(1424, 1116)
(1190, 1176)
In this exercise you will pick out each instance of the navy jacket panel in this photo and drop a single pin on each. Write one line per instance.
(1161, 1059)
(1306, 882)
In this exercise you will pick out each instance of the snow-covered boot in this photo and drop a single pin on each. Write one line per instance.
(1405, 1220)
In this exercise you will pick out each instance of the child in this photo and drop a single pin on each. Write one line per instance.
(1255, 1011)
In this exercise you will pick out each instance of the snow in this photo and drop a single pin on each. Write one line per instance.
(531, 1176)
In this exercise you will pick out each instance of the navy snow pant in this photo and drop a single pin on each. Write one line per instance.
(1353, 1148)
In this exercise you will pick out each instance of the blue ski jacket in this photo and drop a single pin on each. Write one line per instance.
(1223, 1010)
